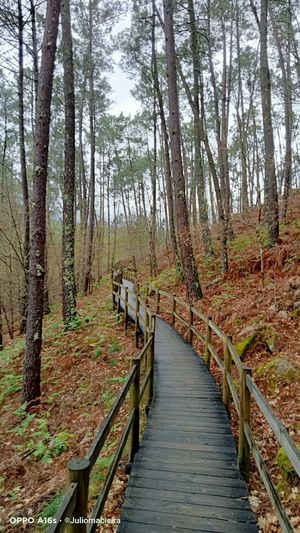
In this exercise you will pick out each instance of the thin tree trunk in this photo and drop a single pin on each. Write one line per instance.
(88, 273)
(26, 237)
(189, 266)
(35, 61)
(109, 264)
(153, 230)
(1, 324)
(168, 176)
(198, 134)
(285, 68)
(153, 210)
(271, 199)
(68, 239)
(241, 121)
(32, 364)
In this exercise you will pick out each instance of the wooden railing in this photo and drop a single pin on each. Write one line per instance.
(138, 384)
(200, 326)
(129, 302)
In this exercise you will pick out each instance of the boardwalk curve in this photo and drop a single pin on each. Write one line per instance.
(185, 476)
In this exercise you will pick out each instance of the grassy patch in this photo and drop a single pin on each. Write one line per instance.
(115, 347)
(9, 384)
(49, 510)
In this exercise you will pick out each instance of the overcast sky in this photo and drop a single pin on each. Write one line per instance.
(122, 85)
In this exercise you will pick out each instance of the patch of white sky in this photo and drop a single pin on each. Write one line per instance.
(120, 81)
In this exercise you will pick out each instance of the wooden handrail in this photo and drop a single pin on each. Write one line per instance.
(66, 510)
(241, 398)
(75, 502)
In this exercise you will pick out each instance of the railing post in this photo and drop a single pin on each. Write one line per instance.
(227, 370)
(151, 368)
(157, 302)
(113, 289)
(146, 335)
(207, 354)
(245, 413)
(126, 310)
(137, 320)
(191, 321)
(135, 406)
(79, 470)
(119, 300)
(153, 323)
(173, 309)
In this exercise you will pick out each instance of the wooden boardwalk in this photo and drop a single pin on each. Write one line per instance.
(185, 476)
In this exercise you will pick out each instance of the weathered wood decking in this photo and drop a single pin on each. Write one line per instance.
(185, 476)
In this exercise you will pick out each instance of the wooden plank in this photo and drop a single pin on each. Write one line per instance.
(213, 490)
(160, 423)
(195, 468)
(182, 477)
(186, 457)
(177, 522)
(189, 498)
(168, 435)
(218, 449)
(192, 411)
(201, 460)
(188, 509)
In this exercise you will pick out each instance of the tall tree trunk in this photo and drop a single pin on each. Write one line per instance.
(168, 176)
(198, 134)
(271, 198)
(114, 246)
(109, 263)
(35, 61)
(285, 67)
(26, 237)
(88, 272)
(152, 226)
(241, 121)
(83, 198)
(184, 236)
(32, 363)
(153, 232)
(1, 324)
(68, 239)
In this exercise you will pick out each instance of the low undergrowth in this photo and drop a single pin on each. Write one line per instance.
(82, 371)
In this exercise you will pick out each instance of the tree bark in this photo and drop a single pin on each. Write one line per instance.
(190, 271)
(198, 134)
(285, 67)
(241, 122)
(32, 363)
(271, 198)
(25, 193)
(1, 324)
(68, 262)
(88, 272)
(168, 176)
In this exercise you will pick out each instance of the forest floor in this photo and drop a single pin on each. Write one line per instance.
(83, 370)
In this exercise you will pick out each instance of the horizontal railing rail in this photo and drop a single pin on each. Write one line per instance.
(202, 327)
(73, 512)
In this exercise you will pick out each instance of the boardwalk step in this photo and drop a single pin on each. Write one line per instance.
(179, 522)
(144, 501)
